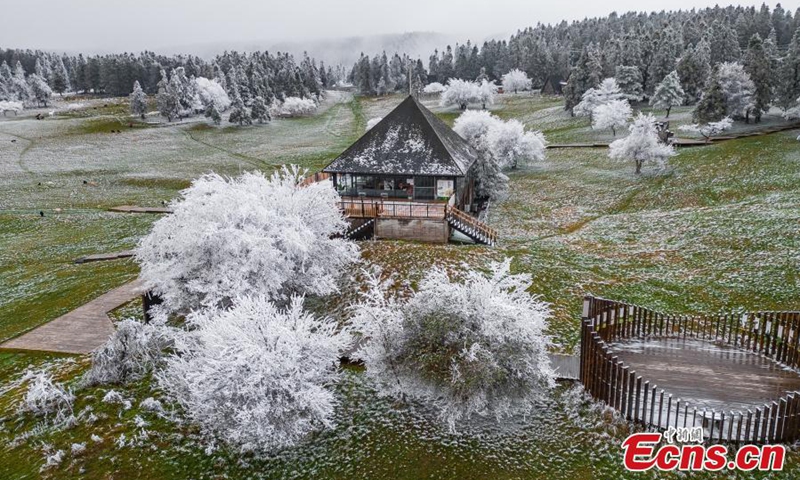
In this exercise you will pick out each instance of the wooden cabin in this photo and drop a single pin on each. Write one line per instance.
(554, 85)
(409, 178)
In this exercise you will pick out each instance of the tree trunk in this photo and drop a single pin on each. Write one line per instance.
(614, 131)
(638, 167)
(668, 109)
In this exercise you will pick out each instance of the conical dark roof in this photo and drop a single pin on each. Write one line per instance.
(410, 140)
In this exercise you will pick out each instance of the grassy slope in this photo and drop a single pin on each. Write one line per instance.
(717, 231)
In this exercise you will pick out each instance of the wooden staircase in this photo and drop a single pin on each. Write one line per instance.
(364, 231)
(471, 226)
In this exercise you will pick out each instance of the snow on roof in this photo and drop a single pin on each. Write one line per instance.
(410, 140)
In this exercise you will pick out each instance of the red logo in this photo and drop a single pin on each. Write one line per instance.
(643, 451)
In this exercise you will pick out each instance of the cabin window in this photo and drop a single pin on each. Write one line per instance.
(424, 188)
(444, 188)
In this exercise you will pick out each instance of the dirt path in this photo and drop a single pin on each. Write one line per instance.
(80, 331)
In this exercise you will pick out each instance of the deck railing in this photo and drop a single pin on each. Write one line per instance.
(607, 378)
(374, 207)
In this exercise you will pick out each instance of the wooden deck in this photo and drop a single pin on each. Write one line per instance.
(100, 257)
(80, 331)
(710, 376)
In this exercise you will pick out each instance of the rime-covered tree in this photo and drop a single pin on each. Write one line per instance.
(758, 67)
(642, 145)
(788, 88)
(470, 348)
(60, 76)
(607, 91)
(614, 114)
(712, 106)
(20, 88)
(668, 49)
(586, 74)
(668, 93)
(259, 110)
(40, 90)
(239, 112)
(710, 129)
(460, 93)
(738, 89)
(434, 88)
(167, 99)
(629, 79)
(253, 234)
(724, 43)
(138, 100)
(486, 93)
(214, 114)
(694, 68)
(257, 376)
(506, 141)
(516, 80)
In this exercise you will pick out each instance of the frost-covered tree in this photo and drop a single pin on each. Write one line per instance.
(506, 141)
(589, 101)
(629, 79)
(434, 88)
(758, 66)
(260, 111)
(712, 106)
(294, 107)
(668, 93)
(15, 107)
(461, 93)
(60, 76)
(257, 376)
(516, 80)
(252, 234)
(132, 351)
(607, 91)
(642, 145)
(738, 89)
(614, 114)
(509, 143)
(694, 68)
(210, 92)
(20, 88)
(166, 98)
(710, 129)
(138, 100)
(239, 112)
(486, 93)
(793, 113)
(469, 348)
(586, 74)
(40, 90)
(214, 114)
(788, 85)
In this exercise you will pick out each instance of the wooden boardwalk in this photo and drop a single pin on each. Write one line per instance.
(80, 331)
(105, 256)
(135, 209)
(710, 376)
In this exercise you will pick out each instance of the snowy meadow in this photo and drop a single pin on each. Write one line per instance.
(715, 231)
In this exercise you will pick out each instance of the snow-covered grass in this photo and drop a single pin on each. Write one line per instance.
(717, 231)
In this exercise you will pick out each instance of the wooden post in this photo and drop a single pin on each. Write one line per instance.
(149, 300)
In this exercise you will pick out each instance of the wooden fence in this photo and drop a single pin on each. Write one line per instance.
(606, 378)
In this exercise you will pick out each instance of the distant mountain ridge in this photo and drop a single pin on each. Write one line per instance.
(335, 51)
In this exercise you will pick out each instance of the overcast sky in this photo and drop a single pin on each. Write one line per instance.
(134, 25)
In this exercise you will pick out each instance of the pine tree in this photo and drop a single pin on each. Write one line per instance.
(138, 100)
(167, 98)
(789, 74)
(60, 77)
(259, 110)
(585, 75)
(668, 93)
(239, 113)
(711, 107)
(5, 82)
(664, 58)
(629, 79)
(213, 112)
(757, 65)
(693, 68)
(20, 89)
(40, 89)
(724, 43)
